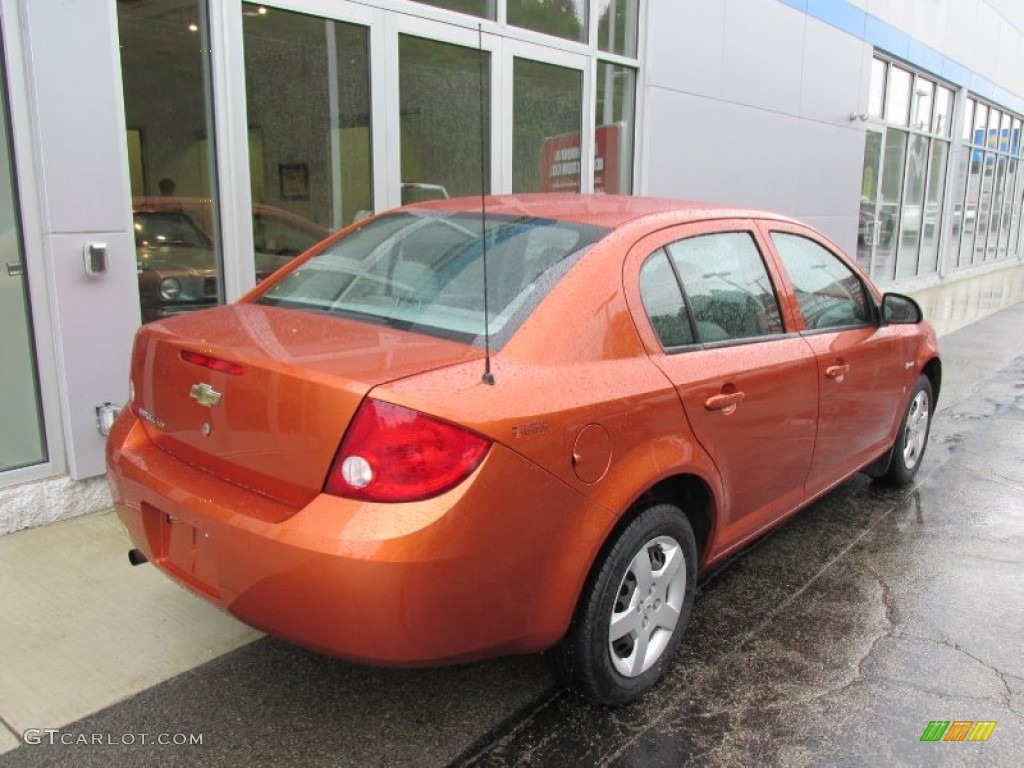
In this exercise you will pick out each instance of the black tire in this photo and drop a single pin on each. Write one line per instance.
(912, 439)
(616, 672)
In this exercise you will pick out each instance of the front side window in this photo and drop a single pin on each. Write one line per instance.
(829, 293)
(728, 286)
(423, 272)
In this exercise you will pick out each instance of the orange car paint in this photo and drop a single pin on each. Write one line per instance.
(588, 414)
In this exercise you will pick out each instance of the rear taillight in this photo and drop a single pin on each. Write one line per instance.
(213, 363)
(392, 453)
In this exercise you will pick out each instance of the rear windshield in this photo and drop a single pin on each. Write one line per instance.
(423, 271)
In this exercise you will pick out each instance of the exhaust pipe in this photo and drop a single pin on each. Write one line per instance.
(135, 557)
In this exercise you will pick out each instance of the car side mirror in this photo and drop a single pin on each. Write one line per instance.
(898, 309)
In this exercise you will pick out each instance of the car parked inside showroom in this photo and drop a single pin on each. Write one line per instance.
(455, 430)
(176, 258)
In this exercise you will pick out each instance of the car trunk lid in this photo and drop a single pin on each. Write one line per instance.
(262, 396)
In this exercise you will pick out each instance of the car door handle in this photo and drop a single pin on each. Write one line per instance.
(837, 372)
(15, 269)
(724, 403)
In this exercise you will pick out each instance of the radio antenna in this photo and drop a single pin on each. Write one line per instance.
(488, 377)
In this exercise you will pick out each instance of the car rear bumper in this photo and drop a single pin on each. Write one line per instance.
(493, 566)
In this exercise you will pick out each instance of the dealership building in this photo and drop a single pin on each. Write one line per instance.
(162, 155)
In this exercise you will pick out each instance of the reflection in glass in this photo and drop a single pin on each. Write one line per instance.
(933, 214)
(547, 112)
(980, 121)
(829, 293)
(968, 120)
(884, 267)
(309, 146)
(1014, 187)
(1013, 234)
(561, 18)
(617, 25)
(913, 213)
(994, 116)
(897, 101)
(440, 102)
(727, 285)
(966, 220)
(165, 65)
(482, 8)
(988, 165)
(21, 426)
(613, 142)
(995, 206)
(876, 95)
(1006, 214)
(924, 94)
(869, 225)
(942, 119)
(663, 301)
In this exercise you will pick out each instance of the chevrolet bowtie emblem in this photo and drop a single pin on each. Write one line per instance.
(205, 395)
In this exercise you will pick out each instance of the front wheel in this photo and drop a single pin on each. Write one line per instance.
(634, 609)
(912, 438)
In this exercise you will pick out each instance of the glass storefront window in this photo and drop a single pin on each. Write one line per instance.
(921, 106)
(897, 100)
(943, 115)
(869, 225)
(165, 65)
(876, 95)
(913, 217)
(22, 436)
(965, 205)
(613, 141)
(890, 204)
(482, 8)
(984, 207)
(562, 18)
(928, 262)
(617, 25)
(968, 119)
(547, 112)
(309, 148)
(980, 121)
(440, 101)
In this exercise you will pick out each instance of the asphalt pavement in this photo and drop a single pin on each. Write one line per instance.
(842, 638)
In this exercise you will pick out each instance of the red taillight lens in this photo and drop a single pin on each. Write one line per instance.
(213, 363)
(392, 453)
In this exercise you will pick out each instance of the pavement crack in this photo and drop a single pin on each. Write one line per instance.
(1007, 694)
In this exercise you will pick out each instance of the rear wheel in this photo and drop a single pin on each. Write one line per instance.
(913, 435)
(634, 610)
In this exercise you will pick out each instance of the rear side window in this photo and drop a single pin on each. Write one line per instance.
(829, 293)
(664, 302)
(727, 285)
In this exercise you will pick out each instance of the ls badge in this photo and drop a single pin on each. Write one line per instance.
(205, 395)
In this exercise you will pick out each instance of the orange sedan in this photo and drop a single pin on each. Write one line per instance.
(375, 456)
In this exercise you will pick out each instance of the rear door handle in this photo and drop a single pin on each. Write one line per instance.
(15, 269)
(724, 403)
(837, 372)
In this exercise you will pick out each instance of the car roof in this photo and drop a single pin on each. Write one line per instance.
(611, 211)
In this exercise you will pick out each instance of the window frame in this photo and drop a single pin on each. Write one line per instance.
(649, 246)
